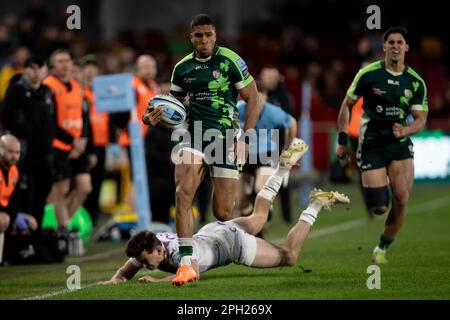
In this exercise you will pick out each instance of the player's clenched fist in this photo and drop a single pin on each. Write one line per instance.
(152, 116)
(399, 131)
(342, 151)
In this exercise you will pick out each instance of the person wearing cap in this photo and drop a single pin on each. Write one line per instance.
(27, 114)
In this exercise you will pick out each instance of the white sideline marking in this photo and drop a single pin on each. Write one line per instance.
(430, 205)
(424, 207)
(56, 293)
(337, 228)
(93, 257)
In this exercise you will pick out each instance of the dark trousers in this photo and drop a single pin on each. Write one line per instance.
(36, 180)
(97, 175)
(162, 197)
(285, 199)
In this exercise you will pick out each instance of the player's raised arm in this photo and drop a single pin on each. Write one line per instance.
(126, 272)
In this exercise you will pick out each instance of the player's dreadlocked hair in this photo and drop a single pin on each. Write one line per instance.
(201, 20)
(144, 240)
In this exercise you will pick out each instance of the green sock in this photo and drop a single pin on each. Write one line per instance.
(385, 242)
(186, 251)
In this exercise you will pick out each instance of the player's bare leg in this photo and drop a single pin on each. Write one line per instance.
(289, 157)
(261, 176)
(4, 224)
(376, 178)
(78, 195)
(224, 196)
(269, 255)
(189, 174)
(59, 193)
(401, 176)
(244, 205)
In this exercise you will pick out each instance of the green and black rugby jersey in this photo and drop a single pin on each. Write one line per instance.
(388, 96)
(212, 86)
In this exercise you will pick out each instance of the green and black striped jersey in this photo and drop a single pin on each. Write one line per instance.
(212, 86)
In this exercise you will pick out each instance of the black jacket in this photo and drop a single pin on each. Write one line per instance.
(27, 113)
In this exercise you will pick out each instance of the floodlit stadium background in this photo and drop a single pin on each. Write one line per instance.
(322, 42)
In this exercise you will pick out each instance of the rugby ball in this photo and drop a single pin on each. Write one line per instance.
(174, 111)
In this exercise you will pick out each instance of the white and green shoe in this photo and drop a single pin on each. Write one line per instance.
(379, 256)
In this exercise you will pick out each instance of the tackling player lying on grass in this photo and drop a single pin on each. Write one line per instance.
(220, 243)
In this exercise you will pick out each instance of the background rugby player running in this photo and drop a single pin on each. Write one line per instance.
(391, 91)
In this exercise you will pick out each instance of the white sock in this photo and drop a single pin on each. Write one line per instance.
(309, 215)
(185, 260)
(2, 242)
(186, 242)
(273, 184)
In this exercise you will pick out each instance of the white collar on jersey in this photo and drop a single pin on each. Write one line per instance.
(383, 63)
(203, 60)
(393, 73)
(213, 53)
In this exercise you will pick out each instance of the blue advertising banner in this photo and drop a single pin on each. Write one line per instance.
(114, 93)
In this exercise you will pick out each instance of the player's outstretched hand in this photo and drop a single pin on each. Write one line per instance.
(148, 279)
(152, 116)
(112, 281)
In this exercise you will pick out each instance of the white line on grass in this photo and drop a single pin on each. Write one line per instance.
(337, 228)
(424, 207)
(56, 293)
(429, 205)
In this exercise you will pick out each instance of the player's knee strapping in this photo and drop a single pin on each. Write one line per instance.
(377, 197)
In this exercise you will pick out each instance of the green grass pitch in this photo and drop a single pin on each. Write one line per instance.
(332, 265)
